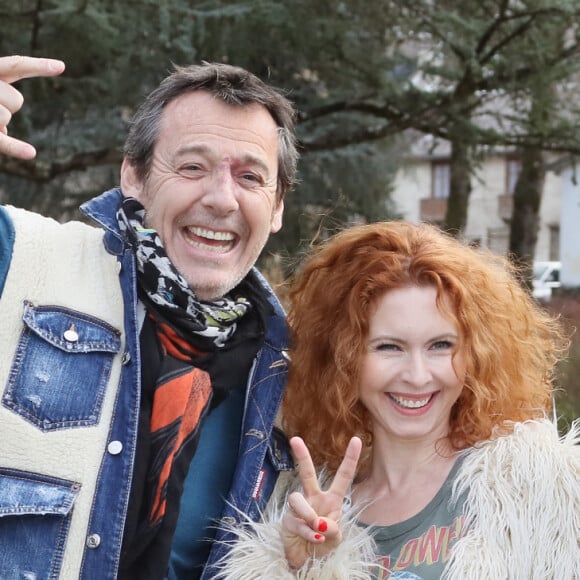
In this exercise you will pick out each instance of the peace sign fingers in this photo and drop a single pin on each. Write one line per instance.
(313, 517)
(344, 475)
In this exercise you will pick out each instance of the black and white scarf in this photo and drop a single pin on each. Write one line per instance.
(167, 292)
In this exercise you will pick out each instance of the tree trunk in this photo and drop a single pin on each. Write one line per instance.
(525, 221)
(460, 188)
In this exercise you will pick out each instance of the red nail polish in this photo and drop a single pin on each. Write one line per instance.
(317, 537)
(322, 526)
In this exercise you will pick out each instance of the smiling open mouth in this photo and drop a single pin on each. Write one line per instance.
(411, 403)
(219, 242)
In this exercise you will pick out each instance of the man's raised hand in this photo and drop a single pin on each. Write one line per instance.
(12, 69)
(311, 525)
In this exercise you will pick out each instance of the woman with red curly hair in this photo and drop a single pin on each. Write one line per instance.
(427, 362)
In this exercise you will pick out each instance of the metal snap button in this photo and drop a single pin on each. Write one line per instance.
(115, 447)
(93, 541)
(71, 335)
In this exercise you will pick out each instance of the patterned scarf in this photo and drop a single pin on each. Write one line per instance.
(166, 291)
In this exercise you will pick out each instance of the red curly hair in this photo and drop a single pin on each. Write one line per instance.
(510, 344)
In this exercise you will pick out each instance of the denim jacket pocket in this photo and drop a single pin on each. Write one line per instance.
(35, 513)
(279, 451)
(61, 368)
(278, 458)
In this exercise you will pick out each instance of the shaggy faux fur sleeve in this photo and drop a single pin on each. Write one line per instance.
(258, 553)
(522, 507)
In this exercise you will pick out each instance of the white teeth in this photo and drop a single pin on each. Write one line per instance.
(216, 249)
(201, 233)
(212, 235)
(408, 403)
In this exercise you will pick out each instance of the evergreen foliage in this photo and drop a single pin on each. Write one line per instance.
(361, 72)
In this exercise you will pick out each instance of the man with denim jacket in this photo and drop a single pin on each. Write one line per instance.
(143, 362)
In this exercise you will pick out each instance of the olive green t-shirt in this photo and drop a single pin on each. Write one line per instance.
(418, 548)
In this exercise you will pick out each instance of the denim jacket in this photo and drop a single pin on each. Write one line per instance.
(65, 372)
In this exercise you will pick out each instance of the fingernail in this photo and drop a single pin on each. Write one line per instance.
(322, 526)
(318, 537)
(56, 65)
(26, 151)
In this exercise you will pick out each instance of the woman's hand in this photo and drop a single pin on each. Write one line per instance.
(311, 526)
(12, 69)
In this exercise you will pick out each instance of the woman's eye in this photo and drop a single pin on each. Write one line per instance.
(387, 346)
(442, 345)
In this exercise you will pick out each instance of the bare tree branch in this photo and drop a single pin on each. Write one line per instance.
(494, 25)
(531, 16)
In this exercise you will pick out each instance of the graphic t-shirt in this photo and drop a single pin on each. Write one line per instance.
(418, 548)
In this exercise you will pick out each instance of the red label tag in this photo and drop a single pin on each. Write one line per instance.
(258, 487)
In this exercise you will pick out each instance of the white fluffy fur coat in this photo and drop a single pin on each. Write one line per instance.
(522, 512)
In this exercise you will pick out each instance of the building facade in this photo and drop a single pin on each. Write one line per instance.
(421, 190)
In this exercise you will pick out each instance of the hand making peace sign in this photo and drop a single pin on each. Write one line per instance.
(12, 69)
(312, 522)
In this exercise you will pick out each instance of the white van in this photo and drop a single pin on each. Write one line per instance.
(546, 275)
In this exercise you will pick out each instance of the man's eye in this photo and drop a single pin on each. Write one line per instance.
(251, 178)
(191, 167)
